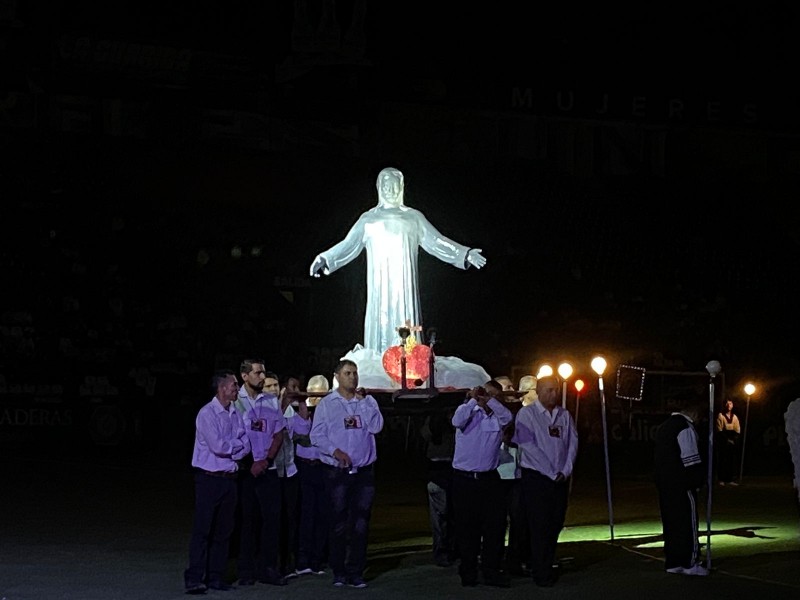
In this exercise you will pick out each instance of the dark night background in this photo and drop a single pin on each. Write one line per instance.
(169, 171)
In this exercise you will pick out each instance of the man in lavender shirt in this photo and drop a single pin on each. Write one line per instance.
(220, 440)
(477, 489)
(344, 428)
(260, 488)
(547, 443)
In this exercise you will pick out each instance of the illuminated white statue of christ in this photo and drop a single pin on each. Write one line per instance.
(392, 234)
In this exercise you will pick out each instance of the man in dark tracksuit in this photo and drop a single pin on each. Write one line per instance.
(679, 474)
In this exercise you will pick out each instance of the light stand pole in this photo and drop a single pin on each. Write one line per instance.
(565, 372)
(598, 366)
(713, 368)
(578, 388)
(749, 389)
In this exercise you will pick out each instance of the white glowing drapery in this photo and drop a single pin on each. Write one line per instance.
(391, 237)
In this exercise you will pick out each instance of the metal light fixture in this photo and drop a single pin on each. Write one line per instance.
(749, 389)
(565, 372)
(714, 368)
(599, 365)
(578, 388)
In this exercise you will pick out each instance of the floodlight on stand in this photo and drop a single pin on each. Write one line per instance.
(564, 371)
(544, 371)
(749, 389)
(599, 365)
(713, 367)
(578, 388)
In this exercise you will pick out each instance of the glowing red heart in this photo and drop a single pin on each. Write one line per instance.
(417, 364)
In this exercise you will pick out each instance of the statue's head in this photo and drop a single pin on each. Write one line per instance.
(390, 187)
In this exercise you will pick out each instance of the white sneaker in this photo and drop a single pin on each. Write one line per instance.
(305, 571)
(676, 570)
(697, 569)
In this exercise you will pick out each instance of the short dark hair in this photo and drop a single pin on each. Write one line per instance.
(218, 377)
(288, 378)
(247, 364)
(271, 375)
(342, 363)
(494, 384)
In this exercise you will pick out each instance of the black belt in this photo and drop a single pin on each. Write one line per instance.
(225, 474)
(526, 472)
(478, 474)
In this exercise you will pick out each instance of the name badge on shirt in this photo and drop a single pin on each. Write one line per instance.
(352, 422)
(257, 425)
(555, 431)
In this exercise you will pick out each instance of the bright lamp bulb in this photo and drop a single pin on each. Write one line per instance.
(579, 384)
(544, 371)
(749, 389)
(565, 370)
(599, 365)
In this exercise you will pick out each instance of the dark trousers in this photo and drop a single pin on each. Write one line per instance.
(350, 498)
(518, 549)
(442, 523)
(261, 512)
(480, 523)
(545, 502)
(312, 543)
(214, 509)
(440, 511)
(290, 494)
(679, 526)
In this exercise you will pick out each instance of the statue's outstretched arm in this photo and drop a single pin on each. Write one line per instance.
(341, 253)
(320, 265)
(475, 258)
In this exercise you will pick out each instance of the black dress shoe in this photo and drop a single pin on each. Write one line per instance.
(196, 589)
(220, 586)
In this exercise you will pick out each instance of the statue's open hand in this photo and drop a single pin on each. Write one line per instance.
(475, 258)
(317, 267)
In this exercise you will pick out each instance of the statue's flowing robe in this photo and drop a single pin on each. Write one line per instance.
(392, 237)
